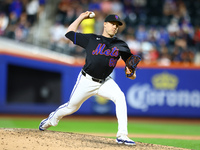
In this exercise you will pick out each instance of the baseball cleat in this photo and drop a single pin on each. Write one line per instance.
(44, 124)
(124, 139)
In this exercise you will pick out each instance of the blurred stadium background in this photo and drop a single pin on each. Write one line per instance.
(39, 66)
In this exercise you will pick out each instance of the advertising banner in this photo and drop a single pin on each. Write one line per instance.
(158, 92)
(155, 92)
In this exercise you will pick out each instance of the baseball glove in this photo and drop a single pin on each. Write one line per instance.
(132, 63)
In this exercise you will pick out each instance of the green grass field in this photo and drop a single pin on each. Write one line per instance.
(95, 126)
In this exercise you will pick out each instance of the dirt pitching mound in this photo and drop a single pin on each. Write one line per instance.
(32, 139)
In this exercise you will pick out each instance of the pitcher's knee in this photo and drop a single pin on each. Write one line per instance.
(119, 97)
(72, 108)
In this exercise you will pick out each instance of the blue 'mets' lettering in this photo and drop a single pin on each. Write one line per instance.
(115, 52)
(100, 51)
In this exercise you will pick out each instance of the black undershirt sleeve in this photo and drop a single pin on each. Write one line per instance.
(125, 55)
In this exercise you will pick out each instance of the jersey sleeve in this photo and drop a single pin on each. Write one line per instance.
(78, 38)
(125, 55)
(124, 50)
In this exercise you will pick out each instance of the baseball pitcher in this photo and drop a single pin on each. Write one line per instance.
(102, 53)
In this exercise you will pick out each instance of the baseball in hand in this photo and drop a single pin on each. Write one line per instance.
(92, 15)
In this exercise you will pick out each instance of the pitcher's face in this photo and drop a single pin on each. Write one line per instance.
(110, 28)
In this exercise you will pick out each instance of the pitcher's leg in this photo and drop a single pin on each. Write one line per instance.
(111, 91)
(83, 89)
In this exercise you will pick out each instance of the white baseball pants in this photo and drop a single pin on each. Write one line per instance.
(85, 88)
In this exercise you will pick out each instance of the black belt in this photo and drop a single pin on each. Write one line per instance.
(93, 79)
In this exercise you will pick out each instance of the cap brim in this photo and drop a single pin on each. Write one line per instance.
(119, 22)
